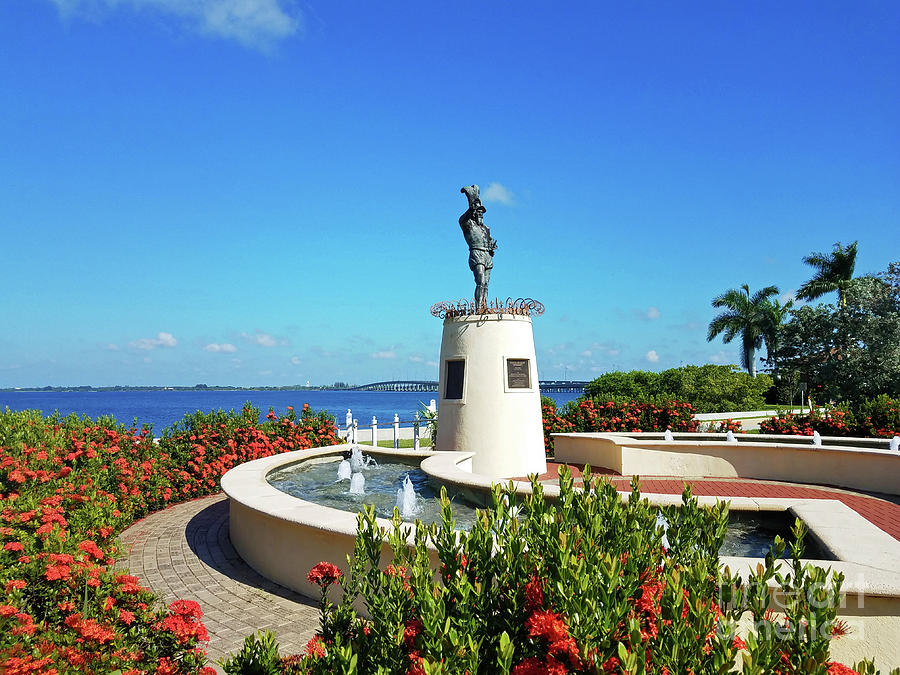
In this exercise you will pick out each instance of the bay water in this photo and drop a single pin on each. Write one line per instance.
(161, 409)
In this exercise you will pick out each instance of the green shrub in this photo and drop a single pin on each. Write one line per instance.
(635, 384)
(585, 585)
(708, 388)
(259, 656)
(879, 416)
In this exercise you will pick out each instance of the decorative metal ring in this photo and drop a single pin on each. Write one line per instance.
(466, 307)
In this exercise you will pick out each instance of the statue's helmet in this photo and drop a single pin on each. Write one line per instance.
(473, 195)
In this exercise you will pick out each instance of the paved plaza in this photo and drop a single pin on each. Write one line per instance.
(185, 552)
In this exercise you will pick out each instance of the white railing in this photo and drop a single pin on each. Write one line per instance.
(351, 430)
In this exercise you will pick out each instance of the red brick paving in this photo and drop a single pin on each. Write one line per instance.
(880, 512)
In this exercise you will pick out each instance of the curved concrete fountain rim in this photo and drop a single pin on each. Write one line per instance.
(748, 441)
(247, 485)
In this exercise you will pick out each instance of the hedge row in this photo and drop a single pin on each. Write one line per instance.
(585, 415)
(67, 488)
(875, 418)
(709, 388)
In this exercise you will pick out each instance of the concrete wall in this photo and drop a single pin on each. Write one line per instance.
(868, 469)
(501, 425)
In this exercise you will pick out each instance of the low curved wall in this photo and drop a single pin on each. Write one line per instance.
(281, 536)
(867, 465)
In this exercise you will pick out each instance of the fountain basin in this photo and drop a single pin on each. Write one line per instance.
(282, 537)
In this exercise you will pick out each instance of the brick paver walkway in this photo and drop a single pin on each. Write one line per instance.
(185, 552)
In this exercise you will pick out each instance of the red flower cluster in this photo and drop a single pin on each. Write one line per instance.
(589, 415)
(67, 487)
(324, 574)
(184, 622)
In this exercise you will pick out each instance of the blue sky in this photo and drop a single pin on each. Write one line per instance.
(266, 192)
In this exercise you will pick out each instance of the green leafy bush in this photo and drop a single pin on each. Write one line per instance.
(708, 388)
(258, 656)
(585, 585)
(879, 416)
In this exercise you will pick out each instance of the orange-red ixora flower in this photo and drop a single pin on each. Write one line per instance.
(324, 574)
(315, 647)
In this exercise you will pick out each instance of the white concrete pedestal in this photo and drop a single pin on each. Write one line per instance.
(490, 403)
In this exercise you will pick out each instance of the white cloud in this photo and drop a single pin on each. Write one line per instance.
(787, 296)
(497, 192)
(433, 364)
(263, 339)
(295, 360)
(110, 347)
(166, 339)
(720, 357)
(227, 347)
(587, 353)
(417, 359)
(253, 23)
(161, 340)
(652, 356)
(649, 314)
(386, 354)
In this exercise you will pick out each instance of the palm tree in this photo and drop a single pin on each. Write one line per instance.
(833, 272)
(745, 315)
(774, 314)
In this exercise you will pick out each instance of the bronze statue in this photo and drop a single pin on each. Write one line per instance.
(481, 245)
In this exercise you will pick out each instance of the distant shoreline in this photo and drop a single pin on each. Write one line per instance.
(295, 387)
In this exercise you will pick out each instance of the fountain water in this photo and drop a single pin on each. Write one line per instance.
(817, 439)
(344, 470)
(358, 461)
(729, 437)
(895, 444)
(357, 484)
(406, 498)
(668, 435)
(664, 524)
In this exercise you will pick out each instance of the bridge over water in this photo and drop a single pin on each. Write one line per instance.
(545, 386)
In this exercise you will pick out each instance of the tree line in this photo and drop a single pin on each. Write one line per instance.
(846, 351)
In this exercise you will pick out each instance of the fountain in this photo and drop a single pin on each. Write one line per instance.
(817, 439)
(358, 461)
(406, 499)
(895, 444)
(344, 470)
(358, 484)
(730, 437)
(668, 435)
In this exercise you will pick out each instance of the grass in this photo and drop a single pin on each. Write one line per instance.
(406, 443)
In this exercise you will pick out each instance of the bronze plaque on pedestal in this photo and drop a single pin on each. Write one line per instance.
(518, 374)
